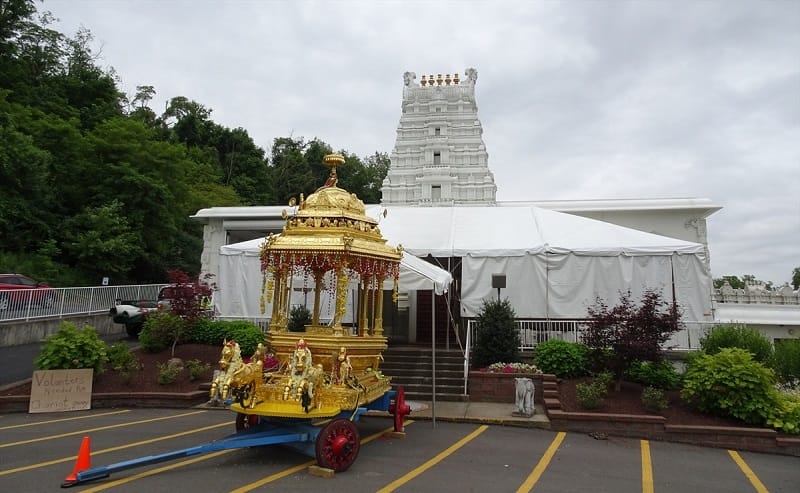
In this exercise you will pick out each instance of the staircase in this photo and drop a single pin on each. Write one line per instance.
(411, 367)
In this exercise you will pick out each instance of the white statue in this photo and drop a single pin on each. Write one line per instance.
(472, 75)
(409, 78)
(524, 402)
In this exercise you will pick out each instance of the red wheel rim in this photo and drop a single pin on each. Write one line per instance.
(246, 421)
(338, 444)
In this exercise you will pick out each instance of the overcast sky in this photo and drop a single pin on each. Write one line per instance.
(578, 100)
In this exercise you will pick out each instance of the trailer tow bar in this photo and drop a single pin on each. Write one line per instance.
(301, 436)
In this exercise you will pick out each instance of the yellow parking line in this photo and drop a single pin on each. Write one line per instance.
(101, 428)
(153, 472)
(440, 457)
(274, 477)
(537, 472)
(40, 423)
(304, 465)
(751, 476)
(647, 468)
(113, 449)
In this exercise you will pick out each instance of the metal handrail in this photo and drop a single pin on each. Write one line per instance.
(41, 303)
(533, 332)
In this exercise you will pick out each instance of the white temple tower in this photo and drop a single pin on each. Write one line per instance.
(439, 157)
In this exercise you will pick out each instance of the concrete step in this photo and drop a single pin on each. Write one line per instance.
(440, 396)
(406, 372)
(551, 403)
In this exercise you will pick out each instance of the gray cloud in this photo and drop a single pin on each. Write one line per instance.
(578, 100)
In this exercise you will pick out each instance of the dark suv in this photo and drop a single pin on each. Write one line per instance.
(17, 290)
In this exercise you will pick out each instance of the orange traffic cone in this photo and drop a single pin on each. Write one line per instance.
(83, 463)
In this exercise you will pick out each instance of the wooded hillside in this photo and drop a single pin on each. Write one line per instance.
(94, 183)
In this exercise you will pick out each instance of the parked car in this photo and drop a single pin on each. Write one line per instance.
(17, 290)
(193, 298)
(132, 313)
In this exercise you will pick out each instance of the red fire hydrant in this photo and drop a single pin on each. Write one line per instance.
(399, 409)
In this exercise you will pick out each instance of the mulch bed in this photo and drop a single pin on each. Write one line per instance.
(625, 401)
(628, 401)
(146, 378)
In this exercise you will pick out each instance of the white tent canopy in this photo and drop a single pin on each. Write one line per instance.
(239, 281)
(515, 231)
(556, 264)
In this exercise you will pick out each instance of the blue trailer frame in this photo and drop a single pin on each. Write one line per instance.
(334, 441)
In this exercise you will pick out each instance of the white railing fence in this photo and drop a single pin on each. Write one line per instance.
(534, 332)
(31, 304)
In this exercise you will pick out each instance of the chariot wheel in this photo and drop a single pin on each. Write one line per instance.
(338, 444)
(246, 396)
(246, 421)
(249, 398)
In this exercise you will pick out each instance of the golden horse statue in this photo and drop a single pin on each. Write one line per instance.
(247, 378)
(230, 361)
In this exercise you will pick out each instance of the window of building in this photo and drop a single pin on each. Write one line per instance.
(438, 110)
(437, 131)
(437, 158)
(436, 192)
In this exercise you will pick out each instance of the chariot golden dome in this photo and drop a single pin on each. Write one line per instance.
(328, 232)
(331, 220)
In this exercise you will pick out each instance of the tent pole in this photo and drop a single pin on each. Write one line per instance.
(433, 352)
(547, 292)
(447, 332)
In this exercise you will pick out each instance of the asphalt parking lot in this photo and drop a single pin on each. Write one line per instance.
(37, 452)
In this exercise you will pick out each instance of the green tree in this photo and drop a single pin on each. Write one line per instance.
(147, 178)
(496, 336)
(242, 165)
(733, 281)
(796, 278)
(102, 242)
(87, 87)
(139, 108)
(24, 179)
(291, 173)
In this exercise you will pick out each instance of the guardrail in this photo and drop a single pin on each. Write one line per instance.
(31, 304)
(534, 332)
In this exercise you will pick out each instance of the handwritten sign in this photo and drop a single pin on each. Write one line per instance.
(61, 390)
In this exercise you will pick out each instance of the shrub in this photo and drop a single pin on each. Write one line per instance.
(189, 297)
(299, 317)
(786, 417)
(71, 347)
(654, 400)
(561, 358)
(660, 374)
(627, 332)
(122, 360)
(207, 331)
(167, 373)
(160, 331)
(590, 395)
(738, 336)
(496, 336)
(248, 337)
(196, 368)
(604, 379)
(214, 332)
(731, 383)
(787, 359)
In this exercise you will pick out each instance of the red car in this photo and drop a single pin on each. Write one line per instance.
(17, 290)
